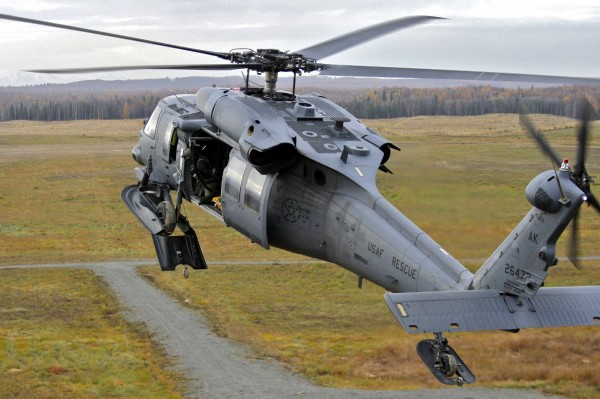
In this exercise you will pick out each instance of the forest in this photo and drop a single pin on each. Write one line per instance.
(468, 101)
(55, 103)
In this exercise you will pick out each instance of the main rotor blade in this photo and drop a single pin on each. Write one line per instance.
(537, 136)
(97, 32)
(191, 67)
(582, 138)
(421, 73)
(344, 42)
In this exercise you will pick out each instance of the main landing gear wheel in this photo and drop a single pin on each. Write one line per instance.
(165, 211)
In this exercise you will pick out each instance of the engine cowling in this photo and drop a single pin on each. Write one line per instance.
(263, 137)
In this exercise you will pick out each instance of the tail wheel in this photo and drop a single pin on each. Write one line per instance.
(448, 364)
(166, 214)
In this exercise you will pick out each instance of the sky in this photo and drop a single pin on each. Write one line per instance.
(521, 36)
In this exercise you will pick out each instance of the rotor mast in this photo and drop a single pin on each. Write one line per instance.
(271, 83)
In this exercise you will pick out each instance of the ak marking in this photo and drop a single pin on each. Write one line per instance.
(533, 237)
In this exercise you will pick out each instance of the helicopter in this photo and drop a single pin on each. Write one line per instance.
(298, 172)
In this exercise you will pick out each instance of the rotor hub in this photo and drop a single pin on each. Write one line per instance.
(273, 60)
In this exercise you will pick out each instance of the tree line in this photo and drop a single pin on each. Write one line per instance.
(77, 106)
(386, 102)
(466, 101)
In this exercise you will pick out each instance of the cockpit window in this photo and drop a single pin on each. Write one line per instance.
(150, 128)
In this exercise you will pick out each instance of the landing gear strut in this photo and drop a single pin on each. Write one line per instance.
(444, 362)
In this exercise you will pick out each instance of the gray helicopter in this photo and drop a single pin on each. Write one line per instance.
(297, 172)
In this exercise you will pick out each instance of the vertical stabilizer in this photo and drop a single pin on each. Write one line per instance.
(520, 264)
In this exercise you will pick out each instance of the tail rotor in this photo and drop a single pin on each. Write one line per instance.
(579, 174)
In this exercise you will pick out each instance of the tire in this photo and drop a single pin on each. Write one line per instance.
(448, 364)
(166, 214)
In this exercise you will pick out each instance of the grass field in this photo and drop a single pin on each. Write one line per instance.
(460, 179)
(61, 337)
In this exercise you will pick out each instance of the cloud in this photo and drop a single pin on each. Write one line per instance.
(547, 36)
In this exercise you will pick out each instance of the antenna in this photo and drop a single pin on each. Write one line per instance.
(181, 100)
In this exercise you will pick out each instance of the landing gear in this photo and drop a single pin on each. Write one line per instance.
(159, 216)
(444, 362)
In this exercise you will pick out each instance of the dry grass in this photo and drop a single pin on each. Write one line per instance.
(62, 337)
(482, 128)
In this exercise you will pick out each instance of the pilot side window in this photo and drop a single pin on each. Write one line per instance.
(150, 127)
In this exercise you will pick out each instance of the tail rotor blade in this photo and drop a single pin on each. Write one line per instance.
(573, 253)
(582, 138)
(537, 136)
(593, 201)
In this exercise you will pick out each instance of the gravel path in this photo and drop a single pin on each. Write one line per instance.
(218, 368)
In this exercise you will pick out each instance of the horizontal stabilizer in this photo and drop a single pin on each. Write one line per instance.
(477, 310)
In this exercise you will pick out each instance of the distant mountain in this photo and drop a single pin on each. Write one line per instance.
(16, 78)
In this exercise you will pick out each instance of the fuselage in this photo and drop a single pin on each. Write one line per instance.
(296, 173)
